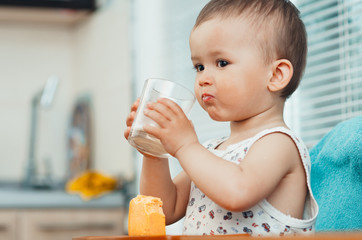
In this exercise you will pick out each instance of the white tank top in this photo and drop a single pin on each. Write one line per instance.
(204, 217)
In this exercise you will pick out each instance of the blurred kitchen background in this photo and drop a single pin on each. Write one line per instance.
(70, 70)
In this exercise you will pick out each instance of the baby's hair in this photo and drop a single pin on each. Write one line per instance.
(279, 31)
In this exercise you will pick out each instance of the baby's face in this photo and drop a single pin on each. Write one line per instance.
(232, 76)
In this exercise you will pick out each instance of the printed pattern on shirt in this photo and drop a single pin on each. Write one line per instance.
(204, 217)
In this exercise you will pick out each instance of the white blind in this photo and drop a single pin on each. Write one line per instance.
(331, 89)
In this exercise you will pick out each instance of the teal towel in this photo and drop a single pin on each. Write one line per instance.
(336, 177)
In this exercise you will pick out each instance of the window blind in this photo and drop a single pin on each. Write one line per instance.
(331, 89)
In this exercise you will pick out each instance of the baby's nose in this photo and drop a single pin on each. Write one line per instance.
(205, 79)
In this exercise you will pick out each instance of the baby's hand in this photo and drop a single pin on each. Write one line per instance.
(175, 130)
(129, 120)
(130, 117)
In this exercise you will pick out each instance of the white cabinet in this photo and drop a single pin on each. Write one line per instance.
(42, 15)
(60, 224)
(8, 224)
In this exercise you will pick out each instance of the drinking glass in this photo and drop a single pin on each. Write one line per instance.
(153, 89)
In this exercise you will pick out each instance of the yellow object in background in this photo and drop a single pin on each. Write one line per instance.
(91, 184)
(146, 217)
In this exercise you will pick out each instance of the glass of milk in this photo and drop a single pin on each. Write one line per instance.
(153, 89)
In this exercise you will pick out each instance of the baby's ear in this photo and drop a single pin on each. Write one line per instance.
(282, 73)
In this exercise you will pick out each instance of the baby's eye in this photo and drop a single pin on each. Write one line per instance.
(199, 67)
(222, 63)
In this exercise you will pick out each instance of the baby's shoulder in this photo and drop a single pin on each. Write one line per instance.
(280, 143)
(280, 135)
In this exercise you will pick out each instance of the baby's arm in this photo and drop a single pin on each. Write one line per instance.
(156, 180)
(234, 187)
(239, 187)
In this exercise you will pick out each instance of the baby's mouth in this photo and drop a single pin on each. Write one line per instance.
(206, 97)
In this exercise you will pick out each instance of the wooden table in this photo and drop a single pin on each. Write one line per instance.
(317, 236)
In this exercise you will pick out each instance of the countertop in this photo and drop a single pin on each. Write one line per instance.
(55, 198)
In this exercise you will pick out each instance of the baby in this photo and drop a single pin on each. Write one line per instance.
(249, 56)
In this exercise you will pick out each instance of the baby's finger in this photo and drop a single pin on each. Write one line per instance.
(174, 107)
(135, 105)
(130, 119)
(152, 130)
(160, 108)
(156, 116)
(126, 132)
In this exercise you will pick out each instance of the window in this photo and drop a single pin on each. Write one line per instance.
(331, 89)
